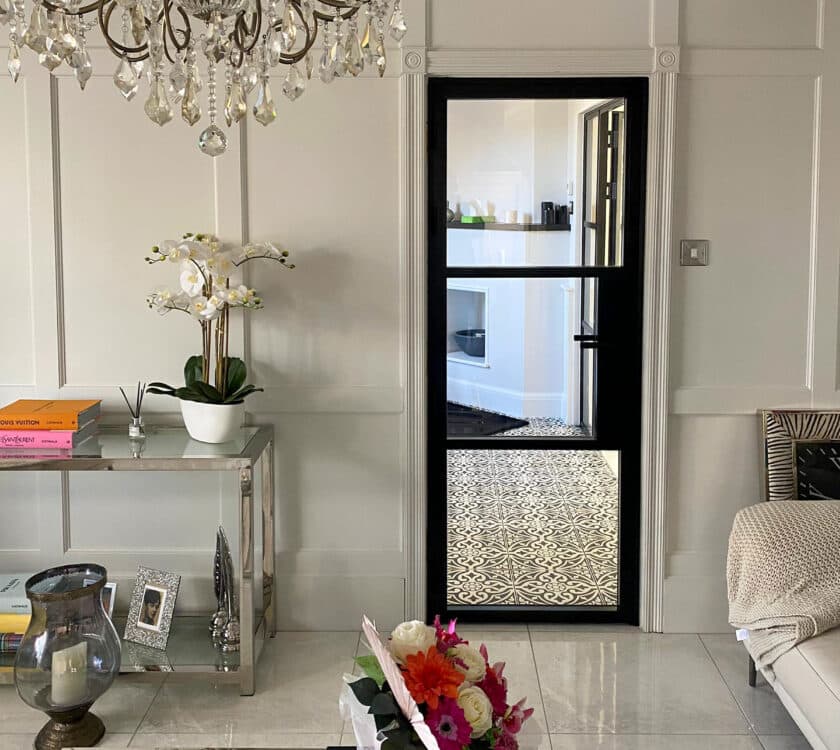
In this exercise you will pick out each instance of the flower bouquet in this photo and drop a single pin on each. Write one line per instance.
(430, 688)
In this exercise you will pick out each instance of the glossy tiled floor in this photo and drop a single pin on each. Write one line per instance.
(602, 687)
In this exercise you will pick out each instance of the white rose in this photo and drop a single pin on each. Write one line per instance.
(477, 709)
(472, 664)
(411, 638)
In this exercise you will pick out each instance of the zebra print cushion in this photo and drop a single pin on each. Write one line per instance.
(783, 429)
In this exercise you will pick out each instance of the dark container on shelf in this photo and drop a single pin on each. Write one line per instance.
(547, 212)
(471, 341)
(562, 214)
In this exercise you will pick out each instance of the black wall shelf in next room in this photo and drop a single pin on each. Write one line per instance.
(500, 227)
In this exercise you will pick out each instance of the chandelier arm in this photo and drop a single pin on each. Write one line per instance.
(89, 8)
(166, 41)
(241, 32)
(348, 13)
(342, 4)
(120, 50)
(186, 31)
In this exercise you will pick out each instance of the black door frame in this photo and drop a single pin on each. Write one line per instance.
(621, 422)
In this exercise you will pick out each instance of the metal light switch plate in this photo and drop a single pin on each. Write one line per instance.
(694, 252)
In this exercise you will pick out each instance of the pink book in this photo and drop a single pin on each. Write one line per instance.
(66, 439)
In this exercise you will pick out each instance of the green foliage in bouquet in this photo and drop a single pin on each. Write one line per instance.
(390, 721)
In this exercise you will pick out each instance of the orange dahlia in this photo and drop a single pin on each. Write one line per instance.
(430, 676)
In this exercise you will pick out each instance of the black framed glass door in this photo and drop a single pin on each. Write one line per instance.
(534, 348)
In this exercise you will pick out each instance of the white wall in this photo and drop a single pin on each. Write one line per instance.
(759, 110)
(326, 347)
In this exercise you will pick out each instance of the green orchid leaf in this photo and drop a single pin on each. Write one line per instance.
(365, 690)
(191, 394)
(236, 374)
(211, 394)
(240, 395)
(161, 386)
(370, 666)
(161, 391)
(193, 369)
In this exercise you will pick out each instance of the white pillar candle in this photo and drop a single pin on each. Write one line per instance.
(69, 676)
(511, 217)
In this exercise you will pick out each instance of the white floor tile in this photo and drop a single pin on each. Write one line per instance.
(24, 741)
(760, 704)
(175, 741)
(653, 742)
(550, 627)
(632, 684)
(514, 649)
(121, 708)
(298, 683)
(784, 742)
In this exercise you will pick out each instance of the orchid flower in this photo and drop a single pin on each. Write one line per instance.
(192, 280)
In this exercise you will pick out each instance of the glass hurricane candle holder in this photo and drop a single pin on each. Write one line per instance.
(69, 655)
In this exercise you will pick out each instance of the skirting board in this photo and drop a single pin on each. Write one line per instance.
(506, 401)
(696, 604)
(338, 602)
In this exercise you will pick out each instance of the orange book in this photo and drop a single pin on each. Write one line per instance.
(38, 414)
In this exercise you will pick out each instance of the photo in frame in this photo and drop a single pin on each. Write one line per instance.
(801, 454)
(109, 596)
(151, 608)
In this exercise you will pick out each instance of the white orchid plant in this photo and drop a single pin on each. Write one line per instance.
(208, 294)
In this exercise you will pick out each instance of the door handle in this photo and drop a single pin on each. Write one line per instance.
(587, 340)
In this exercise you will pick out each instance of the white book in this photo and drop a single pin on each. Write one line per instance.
(13, 599)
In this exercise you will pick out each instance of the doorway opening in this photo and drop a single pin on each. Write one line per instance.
(536, 205)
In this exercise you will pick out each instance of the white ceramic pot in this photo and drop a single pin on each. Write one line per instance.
(212, 423)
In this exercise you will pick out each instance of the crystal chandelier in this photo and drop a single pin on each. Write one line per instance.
(164, 41)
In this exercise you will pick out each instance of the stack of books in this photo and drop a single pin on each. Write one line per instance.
(15, 611)
(43, 425)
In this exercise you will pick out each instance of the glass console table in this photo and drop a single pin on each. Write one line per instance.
(189, 652)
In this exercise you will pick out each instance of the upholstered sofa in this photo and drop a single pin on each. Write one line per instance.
(807, 681)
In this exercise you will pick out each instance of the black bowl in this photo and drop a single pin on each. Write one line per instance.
(471, 341)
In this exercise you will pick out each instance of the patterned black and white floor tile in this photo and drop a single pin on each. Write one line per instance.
(532, 527)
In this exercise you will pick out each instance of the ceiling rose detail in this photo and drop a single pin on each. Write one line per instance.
(179, 48)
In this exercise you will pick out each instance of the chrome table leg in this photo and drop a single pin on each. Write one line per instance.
(269, 582)
(246, 581)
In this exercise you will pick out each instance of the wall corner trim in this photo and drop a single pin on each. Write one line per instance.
(655, 397)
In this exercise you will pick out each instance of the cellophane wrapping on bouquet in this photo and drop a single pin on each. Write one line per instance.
(363, 723)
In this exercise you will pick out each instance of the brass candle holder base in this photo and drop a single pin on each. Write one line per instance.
(75, 728)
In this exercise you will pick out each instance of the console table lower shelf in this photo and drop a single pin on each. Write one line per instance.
(190, 653)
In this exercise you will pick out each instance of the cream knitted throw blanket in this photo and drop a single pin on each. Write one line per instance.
(783, 574)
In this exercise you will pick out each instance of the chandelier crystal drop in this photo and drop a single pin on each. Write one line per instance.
(175, 48)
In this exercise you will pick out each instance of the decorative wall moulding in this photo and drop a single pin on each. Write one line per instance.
(414, 59)
(737, 400)
(594, 62)
(666, 60)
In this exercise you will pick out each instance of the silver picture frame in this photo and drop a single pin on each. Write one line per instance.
(783, 431)
(152, 606)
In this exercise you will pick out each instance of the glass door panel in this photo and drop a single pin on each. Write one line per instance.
(533, 528)
(510, 183)
(520, 361)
